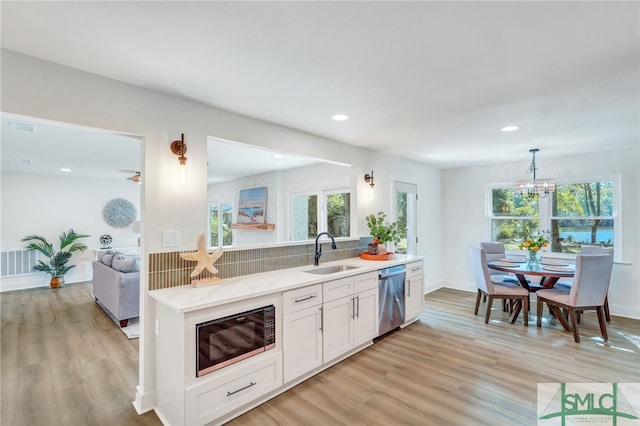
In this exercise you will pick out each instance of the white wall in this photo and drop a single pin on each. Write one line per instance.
(41, 89)
(47, 205)
(465, 221)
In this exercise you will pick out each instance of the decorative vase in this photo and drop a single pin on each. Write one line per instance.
(533, 261)
(105, 241)
(56, 282)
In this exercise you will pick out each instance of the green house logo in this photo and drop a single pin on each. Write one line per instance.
(583, 403)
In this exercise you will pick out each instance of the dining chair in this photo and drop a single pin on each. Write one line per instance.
(497, 290)
(588, 250)
(496, 251)
(588, 292)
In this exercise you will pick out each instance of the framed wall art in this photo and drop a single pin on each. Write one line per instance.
(251, 205)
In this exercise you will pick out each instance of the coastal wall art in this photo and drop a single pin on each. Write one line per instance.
(251, 205)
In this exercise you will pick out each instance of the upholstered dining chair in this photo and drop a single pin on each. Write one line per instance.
(496, 251)
(592, 250)
(588, 292)
(497, 290)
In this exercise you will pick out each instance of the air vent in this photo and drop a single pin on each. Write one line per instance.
(22, 127)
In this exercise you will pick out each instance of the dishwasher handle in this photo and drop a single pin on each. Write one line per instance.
(382, 275)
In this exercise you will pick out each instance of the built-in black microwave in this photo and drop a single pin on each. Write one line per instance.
(227, 340)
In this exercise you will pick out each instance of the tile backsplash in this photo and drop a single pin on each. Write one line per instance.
(170, 270)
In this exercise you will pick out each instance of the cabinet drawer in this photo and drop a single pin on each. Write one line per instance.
(415, 268)
(301, 298)
(365, 282)
(332, 290)
(231, 390)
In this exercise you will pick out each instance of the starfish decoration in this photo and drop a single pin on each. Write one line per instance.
(204, 259)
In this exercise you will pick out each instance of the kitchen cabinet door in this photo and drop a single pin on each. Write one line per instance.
(414, 291)
(301, 342)
(365, 322)
(337, 328)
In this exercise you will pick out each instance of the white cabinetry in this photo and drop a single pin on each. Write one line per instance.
(301, 329)
(233, 387)
(184, 399)
(325, 321)
(352, 318)
(414, 291)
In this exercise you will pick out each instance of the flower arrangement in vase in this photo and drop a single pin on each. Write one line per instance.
(533, 244)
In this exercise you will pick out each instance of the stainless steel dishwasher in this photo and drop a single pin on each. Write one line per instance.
(391, 294)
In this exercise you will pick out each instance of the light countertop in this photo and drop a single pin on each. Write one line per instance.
(186, 298)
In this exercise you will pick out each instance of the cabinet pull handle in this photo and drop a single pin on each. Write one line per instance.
(321, 318)
(241, 389)
(358, 304)
(353, 307)
(409, 287)
(417, 268)
(304, 298)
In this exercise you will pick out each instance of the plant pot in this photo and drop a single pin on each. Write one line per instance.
(56, 282)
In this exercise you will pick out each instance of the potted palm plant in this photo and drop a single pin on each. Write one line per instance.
(58, 264)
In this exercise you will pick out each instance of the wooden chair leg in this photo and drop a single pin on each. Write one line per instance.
(539, 308)
(574, 324)
(516, 310)
(488, 313)
(525, 313)
(603, 323)
(606, 309)
(478, 297)
(484, 299)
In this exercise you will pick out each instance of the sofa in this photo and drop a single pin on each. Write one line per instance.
(116, 286)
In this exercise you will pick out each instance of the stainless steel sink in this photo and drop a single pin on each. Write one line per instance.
(331, 269)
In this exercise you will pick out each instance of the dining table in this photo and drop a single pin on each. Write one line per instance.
(549, 271)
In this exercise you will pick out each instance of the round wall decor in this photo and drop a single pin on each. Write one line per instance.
(119, 213)
(105, 241)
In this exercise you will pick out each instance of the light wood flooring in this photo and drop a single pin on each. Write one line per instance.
(64, 362)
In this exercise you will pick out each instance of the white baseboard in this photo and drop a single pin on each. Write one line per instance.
(144, 402)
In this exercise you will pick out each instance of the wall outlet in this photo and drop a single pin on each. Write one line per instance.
(170, 238)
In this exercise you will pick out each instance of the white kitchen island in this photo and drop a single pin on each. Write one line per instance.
(320, 320)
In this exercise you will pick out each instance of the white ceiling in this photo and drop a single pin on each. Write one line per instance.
(432, 81)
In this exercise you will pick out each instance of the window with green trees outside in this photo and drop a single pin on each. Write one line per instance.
(575, 214)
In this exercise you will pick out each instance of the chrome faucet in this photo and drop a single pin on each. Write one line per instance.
(316, 259)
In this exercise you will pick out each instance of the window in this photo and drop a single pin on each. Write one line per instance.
(309, 216)
(406, 213)
(512, 217)
(582, 214)
(220, 217)
(578, 213)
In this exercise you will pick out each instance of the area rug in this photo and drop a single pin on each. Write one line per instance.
(132, 330)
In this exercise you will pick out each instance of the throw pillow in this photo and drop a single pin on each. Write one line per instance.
(107, 257)
(124, 263)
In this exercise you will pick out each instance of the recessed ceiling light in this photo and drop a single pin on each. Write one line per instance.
(510, 128)
(277, 156)
(340, 117)
(65, 170)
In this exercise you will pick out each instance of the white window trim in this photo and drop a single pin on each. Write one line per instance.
(545, 211)
(322, 194)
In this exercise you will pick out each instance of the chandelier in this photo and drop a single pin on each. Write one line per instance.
(535, 187)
